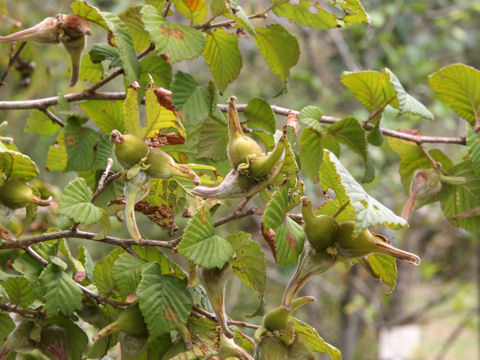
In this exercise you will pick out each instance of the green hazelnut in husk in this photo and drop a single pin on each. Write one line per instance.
(300, 350)
(131, 345)
(129, 320)
(239, 146)
(350, 245)
(128, 148)
(16, 194)
(321, 230)
(277, 318)
(228, 349)
(245, 154)
(162, 166)
(54, 342)
(214, 281)
(271, 348)
(310, 263)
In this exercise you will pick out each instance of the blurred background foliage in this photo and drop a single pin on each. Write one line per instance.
(413, 38)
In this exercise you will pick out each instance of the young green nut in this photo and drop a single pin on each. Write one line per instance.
(229, 349)
(54, 342)
(321, 230)
(128, 148)
(129, 320)
(260, 166)
(162, 166)
(214, 281)
(350, 245)
(16, 194)
(300, 350)
(271, 348)
(239, 146)
(135, 189)
(132, 346)
(277, 318)
(310, 263)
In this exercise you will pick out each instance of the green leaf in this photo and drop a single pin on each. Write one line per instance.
(407, 104)
(373, 89)
(80, 145)
(310, 153)
(90, 13)
(107, 115)
(126, 50)
(19, 291)
(41, 124)
(216, 7)
(249, 261)
(412, 158)
(77, 339)
(279, 48)
(104, 152)
(473, 147)
(289, 236)
(6, 327)
(195, 11)
(158, 68)
(16, 164)
(201, 245)
(368, 211)
(306, 13)
(164, 301)
(458, 86)
(385, 267)
(214, 141)
(126, 272)
(28, 266)
(154, 255)
(189, 97)
(289, 240)
(260, 115)
(60, 292)
(57, 156)
(101, 52)
(130, 113)
(205, 339)
(159, 118)
(355, 13)
(350, 132)
(179, 41)
(311, 116)
(240, 16)
(316, 343)
(76, 203)
(132, 17)
(456, 199)
(102, 272)
(90, 71)
(223, 57)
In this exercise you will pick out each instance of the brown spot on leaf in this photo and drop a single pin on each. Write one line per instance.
(170, 314)
(269, 236)
(291, 240)
(70, 139)
(170, 32)
(292, 121)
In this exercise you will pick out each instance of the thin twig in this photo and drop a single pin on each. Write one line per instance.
(25, 313)
(101, 188)
(36, 256)
(228, 23)
(102, 299)
(55, 119)
(11, 61)
(435, 164)
(213, 317)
